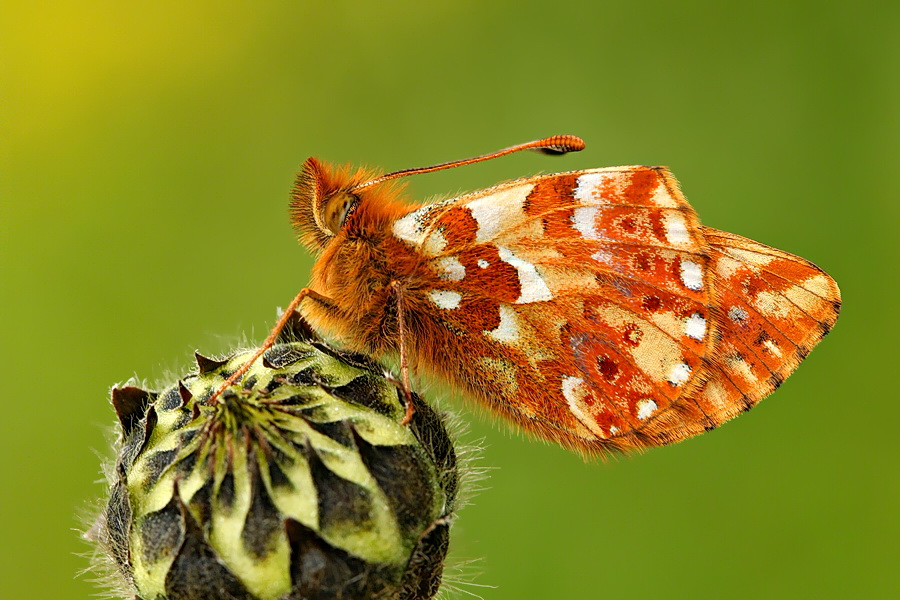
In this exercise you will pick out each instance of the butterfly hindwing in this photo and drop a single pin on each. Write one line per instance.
(772, 309)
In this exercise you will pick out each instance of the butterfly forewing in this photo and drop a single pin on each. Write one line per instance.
(588, 292)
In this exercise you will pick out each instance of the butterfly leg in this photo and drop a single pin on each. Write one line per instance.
(269, 341)
(404, 359)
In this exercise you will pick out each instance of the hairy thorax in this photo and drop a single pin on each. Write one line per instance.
(360, 277)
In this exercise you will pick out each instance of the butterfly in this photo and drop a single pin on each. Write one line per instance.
(591, 308)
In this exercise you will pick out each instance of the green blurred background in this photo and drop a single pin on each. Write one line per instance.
(148, 149)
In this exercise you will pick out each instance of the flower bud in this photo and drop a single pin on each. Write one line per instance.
(300, 483)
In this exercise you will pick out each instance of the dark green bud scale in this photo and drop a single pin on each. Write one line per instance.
(300, 484)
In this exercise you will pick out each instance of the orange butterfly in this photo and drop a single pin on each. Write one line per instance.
(592, 308)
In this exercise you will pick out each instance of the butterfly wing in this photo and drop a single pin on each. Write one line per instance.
(772, 309)
(594, 309)
(577, 304)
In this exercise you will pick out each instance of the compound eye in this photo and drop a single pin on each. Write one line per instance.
(336, 210)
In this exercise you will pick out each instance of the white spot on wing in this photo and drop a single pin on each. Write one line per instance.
(587, 185)
(483, 263)
(676, 229)
(411, 228)
(435, 243)
(727, 266)
(508, 329)
(821, 285)
(573, 391)
(691, 275)
(679, 374)
(533, 287)
(716, 394)
(695, 327)
(773, 304)
(445, 299)
(646, 408)
(497, 211)
(583, 222)
(569, 386)
(805, 300)
(450, 269)
(662, 197)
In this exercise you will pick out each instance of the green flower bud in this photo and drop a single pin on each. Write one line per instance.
(300, 484)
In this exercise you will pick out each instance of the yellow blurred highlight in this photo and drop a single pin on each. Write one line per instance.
(67, 59)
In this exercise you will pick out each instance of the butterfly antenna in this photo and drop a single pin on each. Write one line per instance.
(557, 144)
